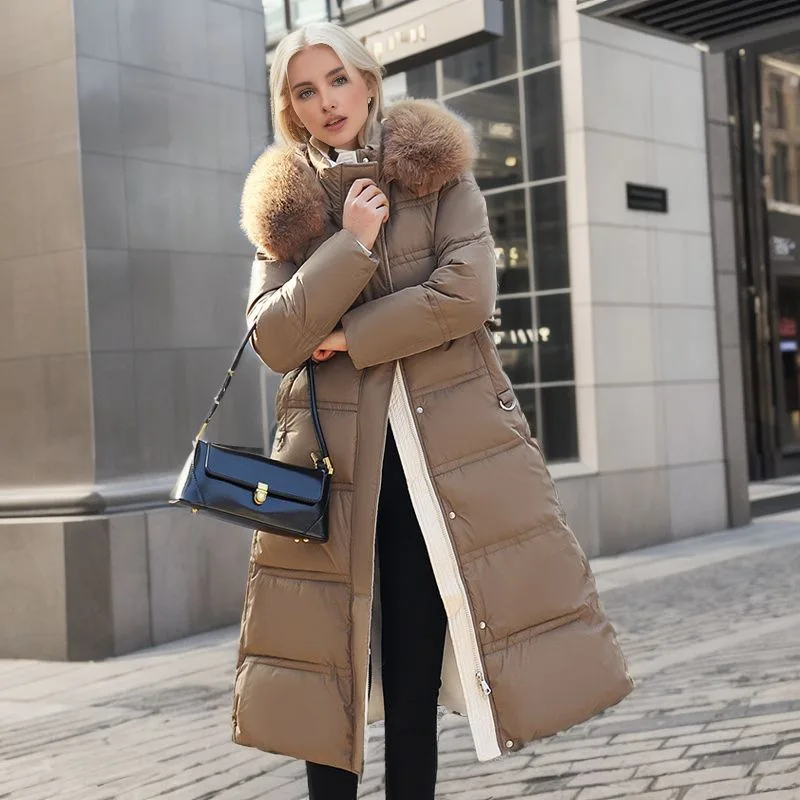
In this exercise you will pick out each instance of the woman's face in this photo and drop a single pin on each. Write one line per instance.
(330, 103)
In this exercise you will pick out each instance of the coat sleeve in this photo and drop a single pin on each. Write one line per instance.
(457, 298)
(296, 308)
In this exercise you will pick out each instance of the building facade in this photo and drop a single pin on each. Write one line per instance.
(606, 317)
(128, 126)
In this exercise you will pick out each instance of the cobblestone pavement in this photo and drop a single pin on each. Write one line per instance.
(711, 626)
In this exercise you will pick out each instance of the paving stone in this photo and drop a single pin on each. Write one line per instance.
(713, 791)
(790, 750)
(704, 738)
(601, 778)
(664, 768)
(631, 759)
(697, 776)
(778, 765)
(624, 789)
(657, 733)
(785, 780)
(741, 744)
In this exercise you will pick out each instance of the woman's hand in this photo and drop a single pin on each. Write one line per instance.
(365, 210)
(332, 344)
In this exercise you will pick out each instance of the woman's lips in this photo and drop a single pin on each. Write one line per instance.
(338, 125)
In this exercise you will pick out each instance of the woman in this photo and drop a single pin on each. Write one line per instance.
(449, 561)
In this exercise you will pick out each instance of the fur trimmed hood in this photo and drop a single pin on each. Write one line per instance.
(283, 207)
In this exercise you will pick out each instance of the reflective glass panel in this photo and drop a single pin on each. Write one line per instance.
(421, 81)
(352, 8)
(305, 11)
(507, 223)
(559, 428)
(545, 125)
(780, 97)
(485, 62)
(513, 335)
(539, 32)
(554, 333)
(274, 20)
(494, 112)
(550, 249)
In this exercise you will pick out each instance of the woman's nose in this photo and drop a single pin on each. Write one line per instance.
(328, 103)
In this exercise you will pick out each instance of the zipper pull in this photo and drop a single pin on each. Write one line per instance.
(487, 690)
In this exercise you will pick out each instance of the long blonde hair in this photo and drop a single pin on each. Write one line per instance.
(352, 54)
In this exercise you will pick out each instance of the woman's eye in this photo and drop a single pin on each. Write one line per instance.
(305, 94)
(340, 81)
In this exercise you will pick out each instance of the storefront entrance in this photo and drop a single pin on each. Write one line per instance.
(765, 94)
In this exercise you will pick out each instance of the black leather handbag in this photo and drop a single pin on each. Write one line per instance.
(246, 488)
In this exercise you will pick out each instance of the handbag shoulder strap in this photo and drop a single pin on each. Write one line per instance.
(323, 459)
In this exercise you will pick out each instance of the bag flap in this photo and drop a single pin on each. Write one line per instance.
(246, 469)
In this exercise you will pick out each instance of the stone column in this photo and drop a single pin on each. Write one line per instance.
(127, 129)
(646, 349)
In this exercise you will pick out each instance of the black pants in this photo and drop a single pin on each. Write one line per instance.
(412, 644)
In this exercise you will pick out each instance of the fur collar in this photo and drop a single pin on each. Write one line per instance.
(423, 147)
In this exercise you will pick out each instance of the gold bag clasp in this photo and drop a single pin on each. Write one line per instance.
(260, 494)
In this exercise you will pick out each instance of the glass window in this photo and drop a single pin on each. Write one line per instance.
(539, 25)
(421, 81)
(513, 335)
(274, 20)
(507, 223)
(305, 11)
(351, 8)
(494, 112)
(777, 114)
(780, 172)
(550, 249)
(545, 126)
(559, 427)
(495, 59)
(554, 334)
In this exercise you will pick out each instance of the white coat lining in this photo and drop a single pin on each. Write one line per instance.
(445, 568)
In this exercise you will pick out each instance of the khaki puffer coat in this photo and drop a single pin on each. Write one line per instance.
(529, 650)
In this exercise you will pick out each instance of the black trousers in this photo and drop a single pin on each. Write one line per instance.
(412, 643)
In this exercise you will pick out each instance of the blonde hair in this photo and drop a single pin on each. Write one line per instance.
(353, 55)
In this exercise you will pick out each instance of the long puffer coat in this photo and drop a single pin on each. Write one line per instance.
(529, 650)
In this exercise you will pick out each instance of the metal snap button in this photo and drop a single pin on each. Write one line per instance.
(419, 409)
(509, 743)
(452, 515)
(482, 625)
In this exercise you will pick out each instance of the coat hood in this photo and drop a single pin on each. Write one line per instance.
(283, 207)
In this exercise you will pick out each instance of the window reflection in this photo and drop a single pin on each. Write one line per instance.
(539, 32)
(494, 113)
(305, 11)
(781, 114)
(545, 126)
(554, 315)
(274, 20)
(514, 337)
(487, 62)
(550, 249)
(559, 427)
(507, 223)
(421, 81)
